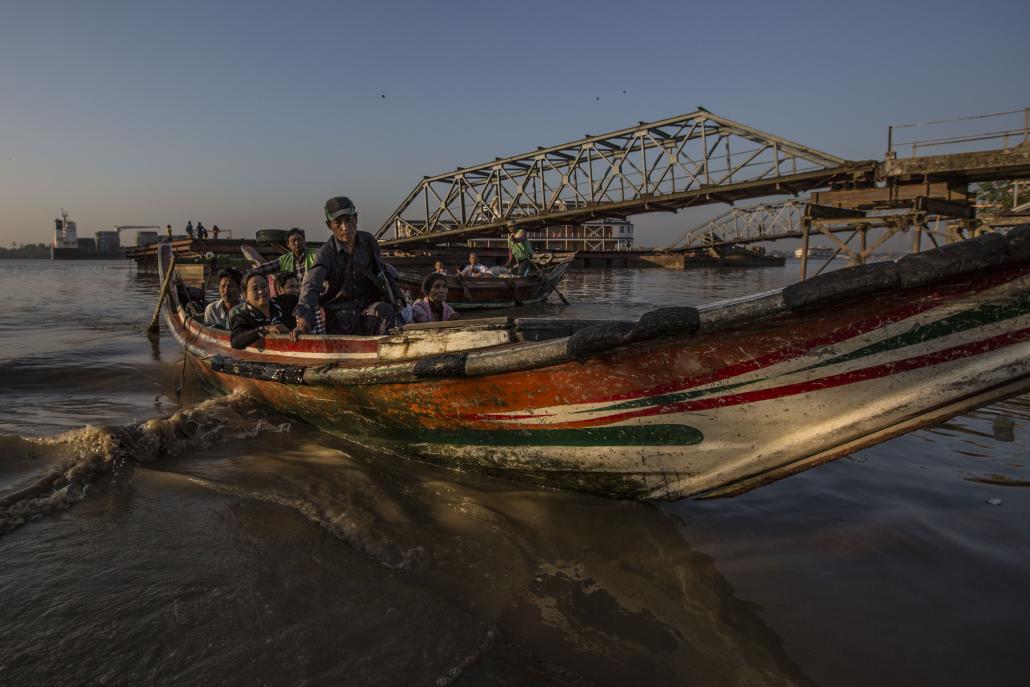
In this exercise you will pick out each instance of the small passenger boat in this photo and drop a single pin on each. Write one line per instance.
(481, 293)
(705, 401)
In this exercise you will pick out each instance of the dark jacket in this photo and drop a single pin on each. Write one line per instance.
(286, 302)
(245, 321)
(355, 281)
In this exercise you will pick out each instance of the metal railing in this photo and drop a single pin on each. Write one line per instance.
(963, 131)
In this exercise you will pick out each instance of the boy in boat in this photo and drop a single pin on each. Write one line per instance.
(475, 268)
(439, 267)
(217, 314)
(299, 260)
(361, 297)
(432, 307)
(287, 291)
(520, 252)
(258, 316)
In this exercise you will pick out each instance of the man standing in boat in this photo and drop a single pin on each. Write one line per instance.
(299, 260)
(361, 294)
(520, 252)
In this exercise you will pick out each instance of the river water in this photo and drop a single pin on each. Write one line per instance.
(152, 535)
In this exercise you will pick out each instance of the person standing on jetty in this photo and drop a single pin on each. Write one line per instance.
(361, 294)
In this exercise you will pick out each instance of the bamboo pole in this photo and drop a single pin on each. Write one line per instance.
(154, 326)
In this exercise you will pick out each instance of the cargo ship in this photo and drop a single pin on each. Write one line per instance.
(66, 244)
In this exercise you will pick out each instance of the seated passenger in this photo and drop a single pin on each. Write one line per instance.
(217, 314)
(439, 267)
(433, 307)
(287, 288)
(258, 316)
(475, 268)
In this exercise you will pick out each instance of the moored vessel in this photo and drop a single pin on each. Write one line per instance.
(486, 292)
(67, 245)
(814, 252)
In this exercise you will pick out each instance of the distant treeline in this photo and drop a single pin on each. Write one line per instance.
(27, 251)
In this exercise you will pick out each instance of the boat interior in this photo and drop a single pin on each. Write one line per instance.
(589, 337)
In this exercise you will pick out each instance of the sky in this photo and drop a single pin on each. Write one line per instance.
(250, 115)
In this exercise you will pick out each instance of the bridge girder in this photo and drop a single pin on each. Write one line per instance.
(740, 225)
(666, 165)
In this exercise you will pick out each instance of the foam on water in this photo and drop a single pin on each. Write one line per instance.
(87, 453)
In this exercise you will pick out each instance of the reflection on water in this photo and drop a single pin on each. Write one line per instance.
(211, 549)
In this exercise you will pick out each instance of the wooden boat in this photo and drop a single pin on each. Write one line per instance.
(684, 402)
(480, 293)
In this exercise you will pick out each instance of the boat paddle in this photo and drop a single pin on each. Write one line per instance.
(553, 285)
(154, 327)
(251, 253)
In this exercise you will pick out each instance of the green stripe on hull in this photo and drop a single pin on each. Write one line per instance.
(986, 314)
(627, 435)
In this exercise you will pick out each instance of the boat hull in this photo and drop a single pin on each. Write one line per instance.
(755, 393)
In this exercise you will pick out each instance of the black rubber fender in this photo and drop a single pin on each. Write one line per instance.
(665, 321)
(271, 372)
(832, 287)
(441, 366)
(595, 339)
(983, 252)
(1018, 240)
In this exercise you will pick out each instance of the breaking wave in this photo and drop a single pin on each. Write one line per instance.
(77, 458)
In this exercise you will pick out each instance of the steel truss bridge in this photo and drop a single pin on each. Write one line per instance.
(668, 165)
(701, 158)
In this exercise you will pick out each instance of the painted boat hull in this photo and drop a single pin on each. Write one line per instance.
(747, 391)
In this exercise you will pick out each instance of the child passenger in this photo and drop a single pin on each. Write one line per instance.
(433, 306)
(287, 288)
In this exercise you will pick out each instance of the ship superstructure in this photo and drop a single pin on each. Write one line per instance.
(66, 244)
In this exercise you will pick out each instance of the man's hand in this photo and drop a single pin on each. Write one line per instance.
(278, 328)
(303, 327)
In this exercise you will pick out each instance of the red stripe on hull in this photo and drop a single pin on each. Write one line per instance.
(842, 379)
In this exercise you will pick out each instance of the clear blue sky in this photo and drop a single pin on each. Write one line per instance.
(250, 114)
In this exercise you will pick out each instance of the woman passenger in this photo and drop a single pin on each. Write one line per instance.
(433, 307)
(258, 316)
